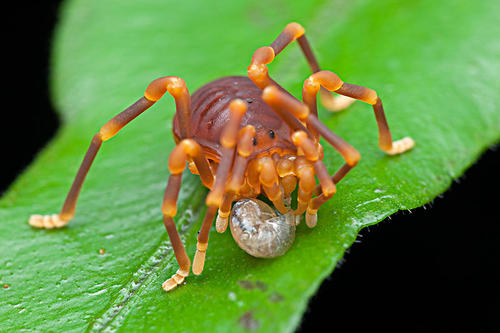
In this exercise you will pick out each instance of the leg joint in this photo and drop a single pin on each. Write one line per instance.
(156, 89)
(295, 29)
(327, 79)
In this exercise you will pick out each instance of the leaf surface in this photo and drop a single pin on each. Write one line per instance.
(434, 64)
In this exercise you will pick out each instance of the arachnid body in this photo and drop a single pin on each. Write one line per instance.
(245, 137)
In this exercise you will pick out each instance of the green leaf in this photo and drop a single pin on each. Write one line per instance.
(434, 64)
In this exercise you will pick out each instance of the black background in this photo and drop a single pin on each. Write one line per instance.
(435, 269)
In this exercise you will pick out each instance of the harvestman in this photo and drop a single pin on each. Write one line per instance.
(257, 139)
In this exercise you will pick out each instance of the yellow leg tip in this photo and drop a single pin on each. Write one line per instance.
(335, 103)
(221, 224)
(401, 146)
(175, 280)
(311, 220)
(47, 221)
(178, 278)
(169, 284)
(198, 262)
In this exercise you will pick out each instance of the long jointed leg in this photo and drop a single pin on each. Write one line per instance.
(176, 87)
(259, 74)
(332, 82)
(186, 150)
(281, 102)
(215, 197)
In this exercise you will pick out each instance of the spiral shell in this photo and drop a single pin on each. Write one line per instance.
(259, 231)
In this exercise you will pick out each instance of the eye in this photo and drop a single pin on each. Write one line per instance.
(254, 141)
(271, 134)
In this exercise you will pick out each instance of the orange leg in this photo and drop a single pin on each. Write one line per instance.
(222, 219)
(315, 203)
(215, 197)
(259, 74)
(182, 153)
(332, 82)
(177, 88)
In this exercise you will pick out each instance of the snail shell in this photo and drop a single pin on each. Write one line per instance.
(259, 231)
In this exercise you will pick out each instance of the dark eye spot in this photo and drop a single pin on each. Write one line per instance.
(249, 100)
(254, 141)
(271, 134)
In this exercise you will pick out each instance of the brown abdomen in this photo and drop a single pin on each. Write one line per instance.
(210, 113)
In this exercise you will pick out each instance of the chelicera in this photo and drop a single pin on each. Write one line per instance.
(245, 137)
